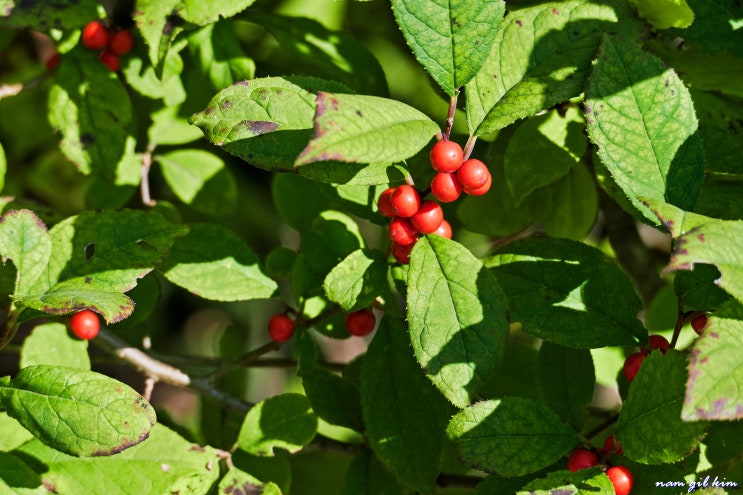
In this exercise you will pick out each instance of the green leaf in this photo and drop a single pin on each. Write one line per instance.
(51, 344)
(451, 39)
(333, 398)
(566, 293)
(201, 180)
(79, 412)
(355, 282)
(367, 476)
(219, 55)
(365, 129)
(159, 24)
(90, 106)
(165, 85)
(12, 434)
(715, 373)
(664, 14)
(237, 482)
(543, 149)
(65, 14)
(458, 317)
(75, 295)
(641, 117)
(697, 290)
(227, 270)
(203, 13)
(566, 381)
(25, 240)
(650, 426)
(284, 421)
(530, 68)
(511, 437)
(170, 128)
(584, 482)
(406, 430)
(716, 27)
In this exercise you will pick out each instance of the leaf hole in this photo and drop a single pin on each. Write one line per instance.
(89, 251)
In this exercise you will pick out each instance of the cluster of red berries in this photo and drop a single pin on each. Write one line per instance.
(413, 216)
(620, 476)
(634, 361)
(85, 324)
(112, 43)
(358, 323)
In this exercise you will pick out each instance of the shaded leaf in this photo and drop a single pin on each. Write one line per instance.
(584, 482)
(159, 23)
(51, 344)
(64, 14)
(355, 282)
(367, 476)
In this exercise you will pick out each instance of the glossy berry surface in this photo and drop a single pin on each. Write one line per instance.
(405, 201)
(611, 446)
(360, 323)
(401, 231)
(95, 36)
(428, 218)
(85, 324)
(699, 323)
(384, 203)
(401, 252)
(658, 342)
(110, 60)
(121, 42)
(446, 156)
(444, 230)
(445, 187)
(280, 328)
(632, 365)
(473, 174)
(582, 459)
(480, 190)
(621, 478)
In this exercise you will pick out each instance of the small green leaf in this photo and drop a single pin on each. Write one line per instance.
(166, 85)
(284, 421)
(227, 270)
(650, 426)
(355, 282)
(458, 317)
(697, 290)
(365, 129)
(217, 50)
(79, 412)
(203, 13)
(333, 398)
(451, 39)
(159, 27)
(25, 240)
(664, 14)
(715, 373)
(584, 482)
(659, 155)
(237, 482)
(511, 437)
(51, 344)
(76, 294)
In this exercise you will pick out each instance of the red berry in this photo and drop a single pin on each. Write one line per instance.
(621, 478)
(658, 342)
(121, 42)
(110, 60)
(428, 218)
(53, 61)
(401, 231)
(280, 328)
(582, 459)
(384, 204)
(360, 323)
(85, 324)
(480, 190)
(95, 35)
(632, 365)
(698, 323)
(405, 201)
(402, 252)
(445, 187)
(446, 156)
(473, 174)
(611, 446)
(444, 230)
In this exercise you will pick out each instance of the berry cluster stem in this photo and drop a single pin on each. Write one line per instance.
(450, 115)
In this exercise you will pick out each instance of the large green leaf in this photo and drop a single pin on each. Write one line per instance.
(458, 317)
(451, 39)
(365, 129)
(641, 117)
(79, 412)
(511, 437)
(25, 240)
(567, 293)
(51, 344)
(650, 426)
(404, 414)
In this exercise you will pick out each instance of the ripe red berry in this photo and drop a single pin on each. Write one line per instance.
(401, 231)
(280, 328)
(444, 230)
(428, 218)
(632, 365)
(384, 203)
(402, 252)
(698, 323)
(611, 446)
(480, 190)
(95, 35)
(582, 459)
(445, 187)
(121, 42)
(360, 323)
(85, 324)
(621, 478)
(473, 174)
(446, 156)
(658, 342)
(110, 60)
(53, 61)
(405, 201)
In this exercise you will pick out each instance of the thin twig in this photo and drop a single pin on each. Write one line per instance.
(242, 361)
(450, 115)
(457, 480)
(469, 146)
(145, 178)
